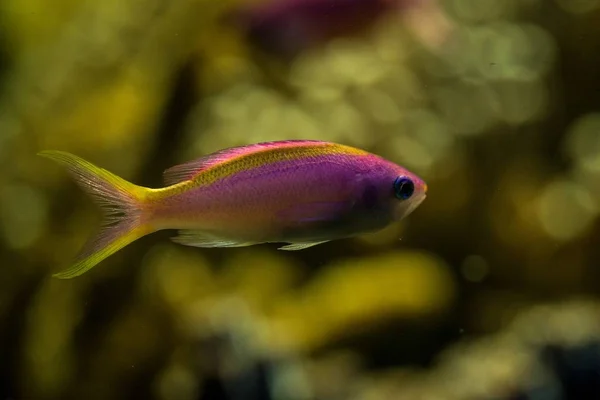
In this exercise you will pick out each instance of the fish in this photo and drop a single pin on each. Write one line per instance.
(286, 28)
(297, 192)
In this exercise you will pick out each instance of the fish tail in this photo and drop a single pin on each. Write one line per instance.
(123, 204)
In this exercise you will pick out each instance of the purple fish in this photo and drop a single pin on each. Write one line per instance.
(299, 192)
(288, 27)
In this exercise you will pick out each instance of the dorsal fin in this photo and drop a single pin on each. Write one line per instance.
(189, 170)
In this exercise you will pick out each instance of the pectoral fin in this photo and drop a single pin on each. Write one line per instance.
(313, 212)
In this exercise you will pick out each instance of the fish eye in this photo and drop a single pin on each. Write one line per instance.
(403, 188)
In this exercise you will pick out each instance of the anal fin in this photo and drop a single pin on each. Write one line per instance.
(199, 238)
(300, 246)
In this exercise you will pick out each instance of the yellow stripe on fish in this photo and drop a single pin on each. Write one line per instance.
(269, 155)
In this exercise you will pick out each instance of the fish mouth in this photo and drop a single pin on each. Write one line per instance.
(416, 202)
(408, 207)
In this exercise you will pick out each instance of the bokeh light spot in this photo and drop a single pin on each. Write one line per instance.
(566, 209)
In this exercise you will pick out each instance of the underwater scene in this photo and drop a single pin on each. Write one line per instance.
(300, 199)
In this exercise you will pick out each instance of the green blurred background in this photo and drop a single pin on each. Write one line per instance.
(495, 280)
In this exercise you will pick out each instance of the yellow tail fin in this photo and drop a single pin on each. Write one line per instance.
(123, 206)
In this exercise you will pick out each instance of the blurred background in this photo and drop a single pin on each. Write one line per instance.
(492, 291)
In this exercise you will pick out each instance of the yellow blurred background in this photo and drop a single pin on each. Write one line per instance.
(481, 293)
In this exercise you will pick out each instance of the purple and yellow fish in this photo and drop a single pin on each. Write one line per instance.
(299, 192)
